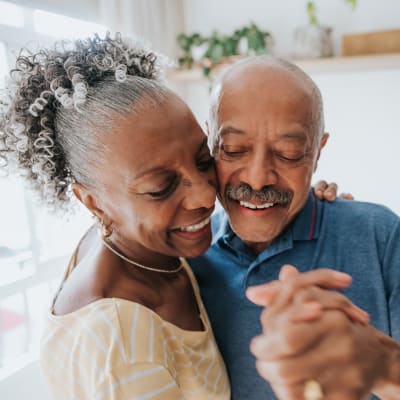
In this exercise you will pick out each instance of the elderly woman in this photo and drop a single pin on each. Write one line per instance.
(91, 120)
(128, 321)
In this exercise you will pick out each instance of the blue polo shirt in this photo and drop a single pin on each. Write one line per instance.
(361, 239)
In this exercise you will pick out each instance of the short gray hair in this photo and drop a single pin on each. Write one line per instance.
(60, 101)
(317, 112)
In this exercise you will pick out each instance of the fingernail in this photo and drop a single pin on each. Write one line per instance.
(343, 276)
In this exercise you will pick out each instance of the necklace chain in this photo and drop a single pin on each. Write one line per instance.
(164, 271)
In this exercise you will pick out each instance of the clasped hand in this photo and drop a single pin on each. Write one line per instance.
(310, 332)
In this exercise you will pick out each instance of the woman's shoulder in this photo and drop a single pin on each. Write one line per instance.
(92, 274)
(129, 330)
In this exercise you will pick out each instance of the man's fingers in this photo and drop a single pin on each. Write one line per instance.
(268, 293)
(324, 278)
(329, 300)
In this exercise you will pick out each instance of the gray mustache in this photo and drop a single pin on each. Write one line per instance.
(268, 194)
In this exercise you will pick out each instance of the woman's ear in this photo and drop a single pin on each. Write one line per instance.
(87, 198)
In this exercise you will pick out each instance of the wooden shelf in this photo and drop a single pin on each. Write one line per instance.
(315, 66)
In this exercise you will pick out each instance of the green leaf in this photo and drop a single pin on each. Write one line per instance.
(311, 11)
(353, 3)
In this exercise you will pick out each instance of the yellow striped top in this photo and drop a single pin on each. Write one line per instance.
(121, 350)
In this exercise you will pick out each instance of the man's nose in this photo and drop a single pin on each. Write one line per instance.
(259, 172)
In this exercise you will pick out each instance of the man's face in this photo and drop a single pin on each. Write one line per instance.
(266, 151)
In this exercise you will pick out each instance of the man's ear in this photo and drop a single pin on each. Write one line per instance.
(322, 144)
(87, 198)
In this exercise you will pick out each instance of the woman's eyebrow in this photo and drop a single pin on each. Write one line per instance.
(156, 171)
(163, 170)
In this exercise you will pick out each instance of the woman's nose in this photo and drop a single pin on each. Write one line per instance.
(201, 193)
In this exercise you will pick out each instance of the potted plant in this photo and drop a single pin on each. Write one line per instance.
(314, 40)
(217, 48)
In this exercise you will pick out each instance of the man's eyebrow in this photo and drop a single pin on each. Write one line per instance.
(293, 135)
(230, 129)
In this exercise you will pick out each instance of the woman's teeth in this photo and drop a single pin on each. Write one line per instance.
(254, 206)
(197, 227)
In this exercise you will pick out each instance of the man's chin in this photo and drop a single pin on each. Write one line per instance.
(255, 238)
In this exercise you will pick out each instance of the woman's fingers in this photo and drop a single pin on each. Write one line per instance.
(346, 196)
(288, 272)
(325, 191)
(264, 295)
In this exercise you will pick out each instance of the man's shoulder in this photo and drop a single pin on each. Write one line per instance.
(360, 212)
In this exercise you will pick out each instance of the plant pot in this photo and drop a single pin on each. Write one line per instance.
(312, 41)
(198, 51)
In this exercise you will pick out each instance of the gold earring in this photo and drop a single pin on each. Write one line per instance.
(104, 231)
(97, 219)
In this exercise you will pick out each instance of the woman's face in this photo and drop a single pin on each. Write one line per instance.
(158, 184)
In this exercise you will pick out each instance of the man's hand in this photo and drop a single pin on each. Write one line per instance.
(305, 290)
(310, 333)
(328, 191)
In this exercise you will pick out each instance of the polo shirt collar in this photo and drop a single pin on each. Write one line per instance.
(307, 223)
(304, 227)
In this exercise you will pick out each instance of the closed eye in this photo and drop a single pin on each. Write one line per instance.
(232, 152)
(167, 191)
(291, 159)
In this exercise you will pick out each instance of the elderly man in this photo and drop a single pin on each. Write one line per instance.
(267, 131)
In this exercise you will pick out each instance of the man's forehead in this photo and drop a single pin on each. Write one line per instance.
(264, 78)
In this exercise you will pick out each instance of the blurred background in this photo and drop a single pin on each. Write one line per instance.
(350, 48)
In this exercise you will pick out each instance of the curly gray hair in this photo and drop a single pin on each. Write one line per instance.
(59, 101)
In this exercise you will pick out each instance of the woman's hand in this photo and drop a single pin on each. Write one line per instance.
(328, 191)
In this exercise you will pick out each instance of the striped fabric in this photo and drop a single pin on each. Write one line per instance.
(117, 349)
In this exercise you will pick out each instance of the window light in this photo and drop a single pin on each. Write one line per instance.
(11, 14)
(60, 26)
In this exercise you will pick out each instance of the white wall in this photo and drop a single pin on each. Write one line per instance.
(280, 17)
(363, 119)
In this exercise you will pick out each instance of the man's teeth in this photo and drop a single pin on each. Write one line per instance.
(254, 206)
(197, 227)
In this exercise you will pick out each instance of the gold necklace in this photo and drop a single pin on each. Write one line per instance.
(109, 246)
